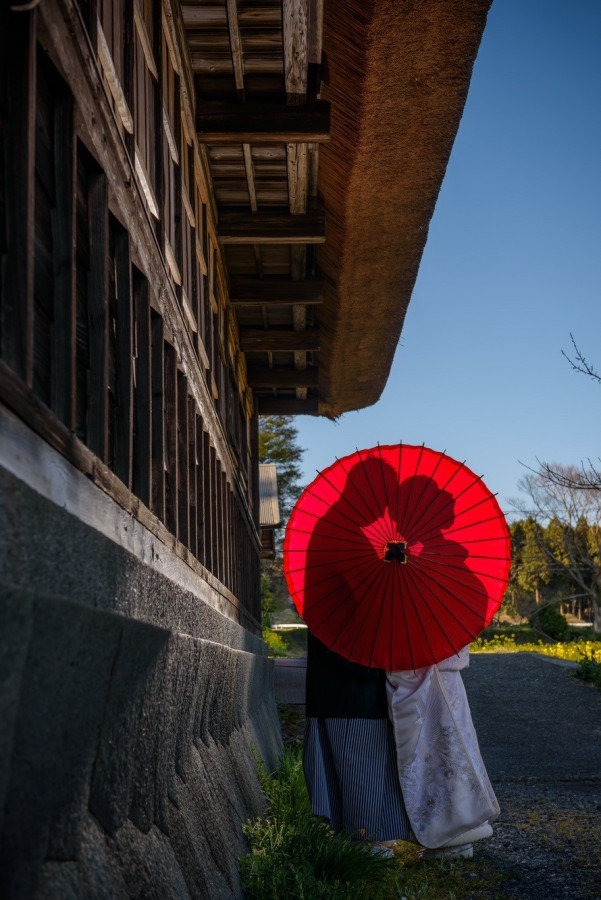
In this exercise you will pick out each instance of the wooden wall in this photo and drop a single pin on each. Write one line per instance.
(117, 344)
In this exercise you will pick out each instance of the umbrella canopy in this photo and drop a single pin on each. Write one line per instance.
(397, 557)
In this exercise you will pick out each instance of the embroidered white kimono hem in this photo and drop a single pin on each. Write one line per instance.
(445, 785)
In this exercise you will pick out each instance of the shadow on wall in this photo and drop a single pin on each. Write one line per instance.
(125, 754)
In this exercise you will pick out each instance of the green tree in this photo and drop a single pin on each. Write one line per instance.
(278, 443)
(569, 532)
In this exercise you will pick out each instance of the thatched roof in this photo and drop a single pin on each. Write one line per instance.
(398, 79)
(319, 311)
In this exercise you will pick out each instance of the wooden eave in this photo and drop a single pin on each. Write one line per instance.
(327, 127)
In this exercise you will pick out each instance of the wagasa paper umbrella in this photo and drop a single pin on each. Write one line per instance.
(396, 557)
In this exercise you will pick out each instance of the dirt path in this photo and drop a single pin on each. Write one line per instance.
(540, 734)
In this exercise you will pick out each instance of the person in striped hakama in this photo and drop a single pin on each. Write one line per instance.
(349, 756)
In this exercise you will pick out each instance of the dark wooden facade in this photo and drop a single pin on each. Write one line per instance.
(118, 344)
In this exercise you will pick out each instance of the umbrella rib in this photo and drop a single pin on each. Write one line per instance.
(429, 564)
(359, 541)
(435, 531)
(414, 525)
(319, 565)
(359, 630)
(454, 649)
(328, 578)
(380, 617)
(450, 611)
(463, 512)
(455, 597)
(398, 485)
(378, 510)
(421, 624)
(481, 591)
(344, 495)
(341, 603)
(373, 513)
(411, 484)
(443, 488)
(434, 557)
(388, 505)
(339, 512)
(405, 619)
(455, 498)
(498, 515)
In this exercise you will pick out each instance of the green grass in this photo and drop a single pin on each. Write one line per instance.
(291, 642)
(295, 856)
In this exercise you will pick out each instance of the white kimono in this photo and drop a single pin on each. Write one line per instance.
(445, 785)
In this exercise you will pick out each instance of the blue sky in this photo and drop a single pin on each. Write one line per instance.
(512, 266)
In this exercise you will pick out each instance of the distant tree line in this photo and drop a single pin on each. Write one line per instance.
(556, 546)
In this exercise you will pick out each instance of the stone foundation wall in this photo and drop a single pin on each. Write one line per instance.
(129, 710)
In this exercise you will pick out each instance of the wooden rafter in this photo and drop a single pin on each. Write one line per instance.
(295, 26)
(236, 47)
(287, 406)
(276, 123)
(246, 291)
(271, 228)
(278, 339)
(265, 377)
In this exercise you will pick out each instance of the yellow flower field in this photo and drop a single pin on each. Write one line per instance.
(572, 650)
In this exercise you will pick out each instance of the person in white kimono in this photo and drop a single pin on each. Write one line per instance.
(448, 796)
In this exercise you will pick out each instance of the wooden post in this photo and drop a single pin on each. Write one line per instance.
(124, 419)
(18, 46)
(158, 417)
(143, 443)
(208, 500)
(183, 500)
(200, 511)
(64, 349)
(192, 474)
(171, 461)
(98, 313)
(214, 500)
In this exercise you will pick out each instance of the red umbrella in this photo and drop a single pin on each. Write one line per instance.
(397, 557)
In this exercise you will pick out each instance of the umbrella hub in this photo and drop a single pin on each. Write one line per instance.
(396, 552)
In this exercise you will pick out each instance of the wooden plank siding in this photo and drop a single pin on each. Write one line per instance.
(115, 345)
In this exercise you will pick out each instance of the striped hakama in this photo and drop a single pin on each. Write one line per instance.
(351, 774)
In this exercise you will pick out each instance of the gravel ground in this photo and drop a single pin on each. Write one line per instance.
(540, 735)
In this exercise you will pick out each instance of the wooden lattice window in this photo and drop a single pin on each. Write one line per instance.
(145, 105)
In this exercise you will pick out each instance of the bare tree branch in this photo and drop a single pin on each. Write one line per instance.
(580, 363)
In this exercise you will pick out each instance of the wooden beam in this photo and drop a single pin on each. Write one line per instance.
(287, 406)
(98, 313)
(171, 442)
(265, 123)
(183, 471)
(264, 377)
(142, 473)
(18, 48)
(245, 291)
(278, 340)
(158, 416)
(124, 418)
(64, 350)
(294, 25)
(236, 47)
(271, 228)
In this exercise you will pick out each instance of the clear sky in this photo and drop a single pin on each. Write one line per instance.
(512, 266)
